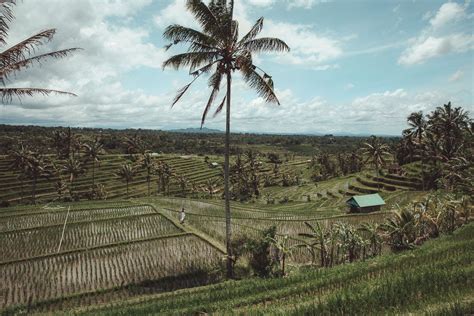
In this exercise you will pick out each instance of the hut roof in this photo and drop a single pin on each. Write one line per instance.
(366, 200)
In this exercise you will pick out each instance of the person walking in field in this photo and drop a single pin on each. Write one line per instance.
(182, 216)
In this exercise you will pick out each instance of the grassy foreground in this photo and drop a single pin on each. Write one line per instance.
(436, 278)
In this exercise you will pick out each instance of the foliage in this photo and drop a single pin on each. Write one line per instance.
(22, 56)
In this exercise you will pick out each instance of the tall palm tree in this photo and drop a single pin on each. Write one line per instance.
(146, 161)
(22, 56)
(375, 152)
(36, 167)
(92, 152)
(217, 49)
(19, 162)
(417, 128)
(73, 168)
(449, 124)
(126, 173)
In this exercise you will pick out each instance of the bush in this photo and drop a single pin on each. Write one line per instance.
(263, 259)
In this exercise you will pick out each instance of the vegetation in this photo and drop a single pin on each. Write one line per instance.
(21, 56)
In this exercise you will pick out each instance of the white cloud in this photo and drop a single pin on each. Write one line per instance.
(448, 12)
(261, 3)
(430, 47)
(435, 40)
(456, 76)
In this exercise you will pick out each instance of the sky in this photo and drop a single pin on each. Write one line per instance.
(355, 66)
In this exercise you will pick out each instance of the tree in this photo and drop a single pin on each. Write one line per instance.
(22, 56)
(20, 160)
(217, 49)
(375, 152)
(317, 238)
(126, 173)
(93, 152)
(372, 233)
(147, 162)
(36, 167)
(73, 168)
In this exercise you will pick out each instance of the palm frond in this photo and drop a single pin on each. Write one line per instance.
(191, 59)
(266, 44)
(215, 83)
(261, 85)
(178, 33)
(254, 31)
(204, 16)
(182, 91)
(6, 16)
(6, 70)
(25, 48)
(8, 94)
(220, 107)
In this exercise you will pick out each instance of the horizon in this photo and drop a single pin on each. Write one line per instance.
(349, 74)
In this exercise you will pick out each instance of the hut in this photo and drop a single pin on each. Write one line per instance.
(365, 203)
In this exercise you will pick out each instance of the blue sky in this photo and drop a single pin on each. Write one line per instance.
(355, 67)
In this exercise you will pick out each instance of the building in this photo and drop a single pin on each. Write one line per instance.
(365, 203)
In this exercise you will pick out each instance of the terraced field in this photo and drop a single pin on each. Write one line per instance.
(435, 278)
(52, 253)
(12, 190)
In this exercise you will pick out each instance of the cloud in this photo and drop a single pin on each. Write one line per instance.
(456, 76)
(430, 47)
(448, 12)
(435, 40)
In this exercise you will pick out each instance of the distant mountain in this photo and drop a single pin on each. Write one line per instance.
(204, 130)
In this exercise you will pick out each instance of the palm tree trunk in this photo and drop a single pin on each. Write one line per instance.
(148, 180)
(228, 231)
(34, 190)
(93, 173)
(127, 189)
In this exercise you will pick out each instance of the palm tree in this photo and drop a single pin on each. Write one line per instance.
(146, 161)
(375, 152)
(19, 163)
(73, 168)
(36, 167)
(417, 128)
(217, 49)
(21, 56)
(126, 173)
(93, 152)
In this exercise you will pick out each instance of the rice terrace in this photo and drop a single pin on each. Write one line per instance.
(191, 157)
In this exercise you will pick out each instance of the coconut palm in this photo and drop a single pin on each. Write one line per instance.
(417, 128)
(146, 161)
(217, 49)
(73, 168)
(19, 161)
(22, 56)
(376, 153)
(126, 173)
(92, 152)
(36, 167)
